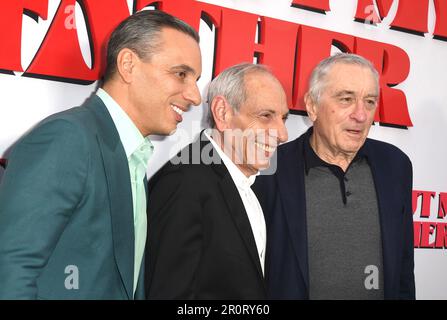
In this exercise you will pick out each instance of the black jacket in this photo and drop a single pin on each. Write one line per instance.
(200, 242)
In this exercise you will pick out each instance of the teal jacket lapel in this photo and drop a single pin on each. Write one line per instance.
(120, 192)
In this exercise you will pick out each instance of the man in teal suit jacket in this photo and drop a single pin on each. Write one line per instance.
(67, 214)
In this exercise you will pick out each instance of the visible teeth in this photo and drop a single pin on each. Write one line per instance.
(177, 109)
(265, 147)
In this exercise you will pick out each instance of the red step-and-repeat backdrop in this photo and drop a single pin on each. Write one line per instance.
(51, 57)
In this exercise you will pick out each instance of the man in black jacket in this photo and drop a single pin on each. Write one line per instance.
(206, 236)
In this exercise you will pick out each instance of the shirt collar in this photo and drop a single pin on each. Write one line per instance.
(130, 136)
(236, 174)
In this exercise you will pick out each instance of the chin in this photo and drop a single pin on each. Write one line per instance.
(168, 130)
(165, 131)
(353, 149)
(263, 165)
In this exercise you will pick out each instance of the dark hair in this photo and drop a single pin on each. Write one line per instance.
(141, 33)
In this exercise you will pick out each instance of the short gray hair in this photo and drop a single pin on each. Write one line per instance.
(140, 33)
(230, 84)
(318, 77)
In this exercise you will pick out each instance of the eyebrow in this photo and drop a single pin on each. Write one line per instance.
(265, 110)
(349, 92)
(343, 92)
(284, 115)
(185, 68)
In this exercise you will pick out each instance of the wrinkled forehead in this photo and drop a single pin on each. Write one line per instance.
(351, 77)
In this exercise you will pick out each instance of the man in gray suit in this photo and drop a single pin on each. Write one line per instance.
(72, 200)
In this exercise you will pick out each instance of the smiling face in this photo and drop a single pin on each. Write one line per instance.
(344, 113)
(259, 125)
(165, 86)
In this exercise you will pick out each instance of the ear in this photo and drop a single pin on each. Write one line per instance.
(222, 113)
(311, 107)
(125, 62)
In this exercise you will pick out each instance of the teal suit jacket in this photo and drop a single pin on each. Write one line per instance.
(66, 215)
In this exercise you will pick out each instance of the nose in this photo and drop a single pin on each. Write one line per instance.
(359, 114)
(283, 136)
(192, 94)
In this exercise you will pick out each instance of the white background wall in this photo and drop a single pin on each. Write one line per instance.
(25, 101)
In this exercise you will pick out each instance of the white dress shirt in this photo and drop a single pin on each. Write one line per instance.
(249, 199)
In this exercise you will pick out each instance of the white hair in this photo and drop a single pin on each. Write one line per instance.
(230, 84)
(317, 79)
